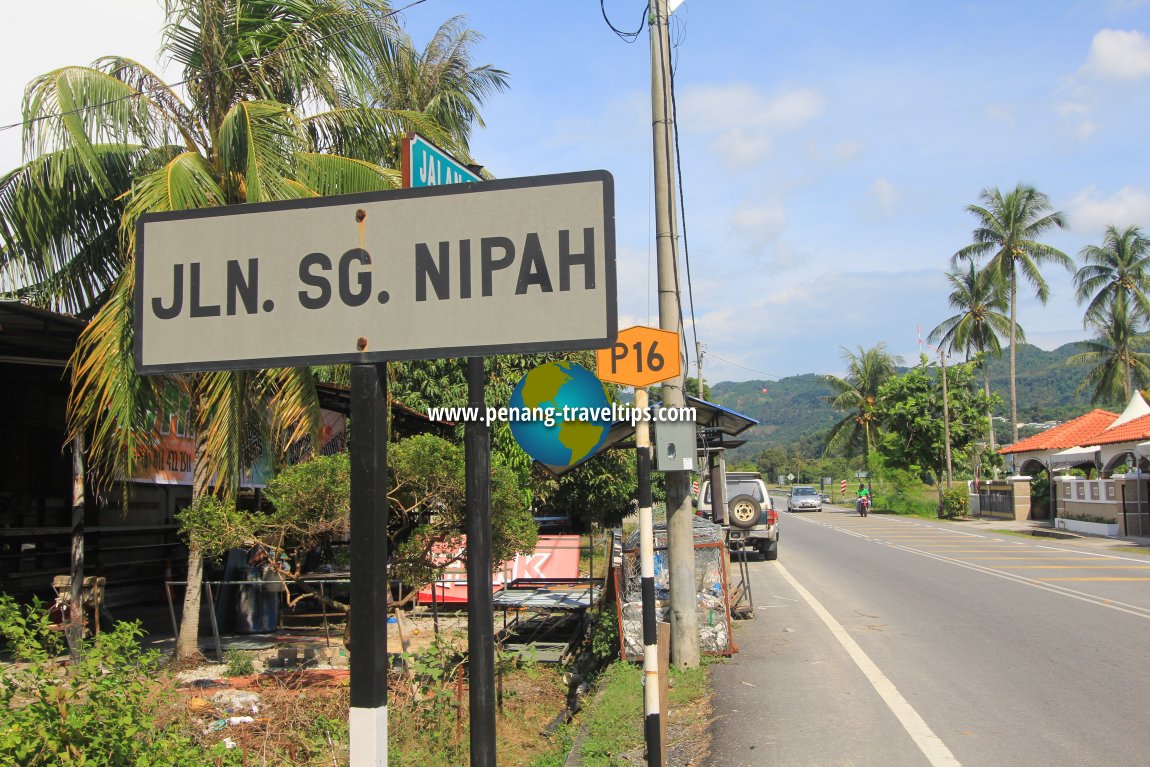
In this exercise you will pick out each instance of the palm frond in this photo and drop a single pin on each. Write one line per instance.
(327, 174)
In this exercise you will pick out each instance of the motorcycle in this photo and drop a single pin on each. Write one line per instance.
(863, 505)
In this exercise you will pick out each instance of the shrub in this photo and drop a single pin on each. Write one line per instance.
(239, 663)
(955, 502)
(605, 634)
(102, 711)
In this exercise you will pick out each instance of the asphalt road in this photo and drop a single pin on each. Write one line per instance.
(894, 641)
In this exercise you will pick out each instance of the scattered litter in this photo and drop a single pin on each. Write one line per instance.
(199, 705)
(788, 631)
(234, 720)
(748, 684)
(229, 743)
(233, 701)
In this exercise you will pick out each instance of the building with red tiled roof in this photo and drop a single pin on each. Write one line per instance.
(1099, 442)
(1099, 439)
(1080, 431)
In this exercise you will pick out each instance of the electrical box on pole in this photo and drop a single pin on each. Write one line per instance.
(675, 446)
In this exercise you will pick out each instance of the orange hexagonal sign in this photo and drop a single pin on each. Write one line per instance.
(641, 356)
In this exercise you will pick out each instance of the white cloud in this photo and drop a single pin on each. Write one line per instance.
(745, 118)
(1119, 55)
(740, 147)
(1072, 109)
(883, 194)
(1089, 211)
(848, 150)
(1082, 127)
(760, 224)
(1001, 113)
(1085, 129)
(741, 105)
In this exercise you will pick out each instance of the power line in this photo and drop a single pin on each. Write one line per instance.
(243, 64)
(627, 37)
(683, 217)
(744, 367)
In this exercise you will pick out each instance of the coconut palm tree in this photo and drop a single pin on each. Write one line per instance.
(857, 396)
(276, 105)
(440, 81)
(980, 298)
(1008, 229)
(1117, 356)
(1116, 271)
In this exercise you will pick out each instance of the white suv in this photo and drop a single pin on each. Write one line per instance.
(751, 517)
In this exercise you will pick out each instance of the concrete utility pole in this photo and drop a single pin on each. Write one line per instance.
(699, 366)
(680, 519)
(946, 418)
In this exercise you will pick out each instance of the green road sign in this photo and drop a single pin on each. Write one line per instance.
(425, 164)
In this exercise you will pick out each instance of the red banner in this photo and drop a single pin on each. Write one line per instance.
(555, 556)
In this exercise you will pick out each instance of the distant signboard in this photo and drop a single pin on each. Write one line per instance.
(424, 164)
(507, 266)
(555, 556)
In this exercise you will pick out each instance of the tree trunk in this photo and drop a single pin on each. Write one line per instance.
(1013, 358)
(188, 642)
(989, 409)
(1129, 382)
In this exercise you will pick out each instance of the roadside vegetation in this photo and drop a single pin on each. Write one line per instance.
(911, 432)
(121, 706)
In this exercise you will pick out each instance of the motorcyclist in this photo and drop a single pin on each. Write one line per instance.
(863, 497)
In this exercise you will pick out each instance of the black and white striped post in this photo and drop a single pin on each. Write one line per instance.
(651, 713)
(369, 592)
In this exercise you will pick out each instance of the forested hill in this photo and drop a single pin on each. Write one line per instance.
(1047, 386)
(792, 410)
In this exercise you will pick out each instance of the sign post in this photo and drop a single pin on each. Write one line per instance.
(642, 356)
(445, 271)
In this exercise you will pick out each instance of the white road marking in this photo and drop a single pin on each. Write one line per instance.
(1113, 604)
(928, 743)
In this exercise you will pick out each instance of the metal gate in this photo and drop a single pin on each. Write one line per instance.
(1136, 511)
(996, 500)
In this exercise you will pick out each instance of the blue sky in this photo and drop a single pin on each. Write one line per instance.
(829, 148)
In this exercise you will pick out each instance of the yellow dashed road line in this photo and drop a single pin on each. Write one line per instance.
(1051, 557)
(1075, 567)
(1049, 580)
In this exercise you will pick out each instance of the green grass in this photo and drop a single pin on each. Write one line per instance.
(613, 720)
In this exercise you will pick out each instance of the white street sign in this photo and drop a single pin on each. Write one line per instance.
(513, 265)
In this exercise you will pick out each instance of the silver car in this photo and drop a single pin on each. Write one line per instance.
(804, 498)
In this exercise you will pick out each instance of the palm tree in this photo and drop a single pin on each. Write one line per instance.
(277, 106)
(857, 396)
(1116, 355)
(980, 298)
(440, 81)
(1008, 228)
(1118, 271)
